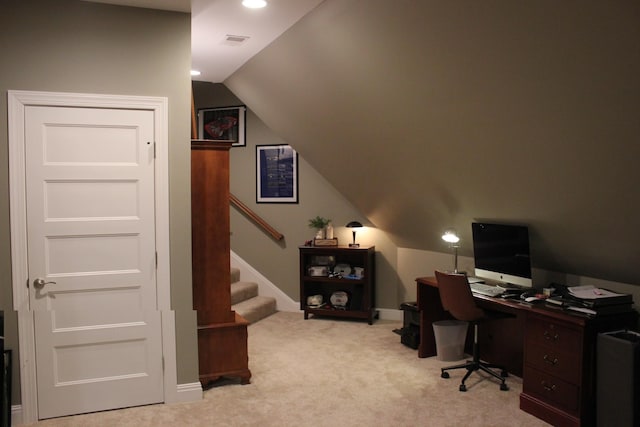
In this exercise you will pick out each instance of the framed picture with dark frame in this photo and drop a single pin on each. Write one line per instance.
(276, 174)
(223, 124)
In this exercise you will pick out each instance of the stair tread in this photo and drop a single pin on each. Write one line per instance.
(256, 308)
(245, 299)
(243, 285)
(253, 301)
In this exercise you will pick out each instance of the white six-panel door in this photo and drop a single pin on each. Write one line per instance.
(91, 239)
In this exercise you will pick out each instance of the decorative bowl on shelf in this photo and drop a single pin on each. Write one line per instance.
(314, 301)
(339, 299)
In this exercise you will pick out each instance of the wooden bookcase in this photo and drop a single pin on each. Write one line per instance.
(222, 333)
(361, 290)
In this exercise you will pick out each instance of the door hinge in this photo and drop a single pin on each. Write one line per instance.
(162, 363)
(156, 260)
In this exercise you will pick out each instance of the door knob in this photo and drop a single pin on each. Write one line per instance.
(39, 283)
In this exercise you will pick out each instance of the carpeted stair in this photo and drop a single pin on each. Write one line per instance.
(245, 299)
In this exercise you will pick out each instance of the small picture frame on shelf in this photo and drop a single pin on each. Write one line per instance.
(223, 124)
(325, 242)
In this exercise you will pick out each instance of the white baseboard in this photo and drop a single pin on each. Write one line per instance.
(265, 287)
(190, 392)
(16, 415)
(390, 314)
(385, 314)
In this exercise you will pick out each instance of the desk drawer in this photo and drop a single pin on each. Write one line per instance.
(565, 366)
(550, 389)
(554, 335)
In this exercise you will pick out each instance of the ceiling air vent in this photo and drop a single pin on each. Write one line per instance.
(235, 40)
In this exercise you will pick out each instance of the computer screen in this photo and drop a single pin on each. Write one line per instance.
(501, 253)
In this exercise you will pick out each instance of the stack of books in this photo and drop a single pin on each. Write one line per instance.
(591, 301)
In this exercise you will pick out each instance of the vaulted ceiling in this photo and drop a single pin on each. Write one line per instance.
(224, 33)
(433, 114)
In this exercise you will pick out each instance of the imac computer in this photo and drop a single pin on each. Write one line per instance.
(501, 254)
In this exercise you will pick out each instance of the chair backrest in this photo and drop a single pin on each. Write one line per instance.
(456, 297)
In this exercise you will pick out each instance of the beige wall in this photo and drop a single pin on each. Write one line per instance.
(75, 46)
(278, 261)
(397, 268)
(432, 114)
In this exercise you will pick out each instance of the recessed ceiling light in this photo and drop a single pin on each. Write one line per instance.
(254, 4)
(195, 73)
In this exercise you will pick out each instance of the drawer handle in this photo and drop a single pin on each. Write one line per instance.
(547, 387)
(549, 360)
(548, 336)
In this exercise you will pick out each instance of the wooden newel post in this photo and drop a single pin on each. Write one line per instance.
(222, 334)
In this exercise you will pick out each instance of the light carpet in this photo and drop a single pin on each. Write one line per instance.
(322, 372)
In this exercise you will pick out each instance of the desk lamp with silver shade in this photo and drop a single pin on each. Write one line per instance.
(452, 238)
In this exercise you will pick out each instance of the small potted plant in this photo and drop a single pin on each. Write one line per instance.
(319, 223)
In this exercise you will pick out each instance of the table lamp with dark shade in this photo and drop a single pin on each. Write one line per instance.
(354, 225)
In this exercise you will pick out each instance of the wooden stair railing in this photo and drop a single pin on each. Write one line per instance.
(255, 218)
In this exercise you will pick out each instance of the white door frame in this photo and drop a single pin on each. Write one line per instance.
(17, 101)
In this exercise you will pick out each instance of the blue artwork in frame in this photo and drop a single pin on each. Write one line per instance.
(276, 174)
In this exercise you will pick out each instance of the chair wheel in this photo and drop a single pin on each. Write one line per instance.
(504, 387)
(444, 374)
(504, 374)
(463, 387)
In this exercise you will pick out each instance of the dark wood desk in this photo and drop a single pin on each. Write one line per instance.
(552, 350)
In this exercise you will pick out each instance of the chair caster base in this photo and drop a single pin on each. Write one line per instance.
(463, 387)
(504, 387)
(444, 375)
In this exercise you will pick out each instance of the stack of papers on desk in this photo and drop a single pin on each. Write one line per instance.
(592, 301)
(595, 297)
(591, 292)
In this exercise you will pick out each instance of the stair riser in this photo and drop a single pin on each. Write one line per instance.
(246, 302)
(241, 291)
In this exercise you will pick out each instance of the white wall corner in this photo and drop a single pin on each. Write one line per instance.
(265, 287)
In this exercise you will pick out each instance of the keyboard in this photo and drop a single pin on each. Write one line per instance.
(484, 289)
